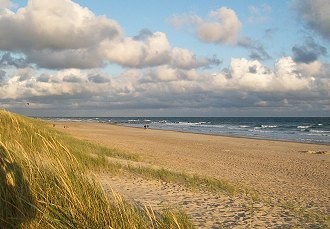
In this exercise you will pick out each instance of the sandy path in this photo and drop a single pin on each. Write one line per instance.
(206, 209)
(283, 171)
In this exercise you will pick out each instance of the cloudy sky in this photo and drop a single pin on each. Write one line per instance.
(156, 58)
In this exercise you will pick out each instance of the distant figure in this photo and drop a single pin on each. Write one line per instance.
(53, 125)
(145, 127)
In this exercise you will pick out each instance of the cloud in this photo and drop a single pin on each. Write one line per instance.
(34, 26)
(149, 49)
(44, 77)
(246, 84)
(3, 77)
(185, 59)
(8, 60)
(259, 14)
(5, 4)
(156, 77)
(309, 52)
(153, 50)
(56, 34)
(83, 40)
(315, 13)
(257, 50)
(72, 79)
(98, 78)
(242, 75)
(312, 69)
(221, 26)
(65, 35)
(67, 58)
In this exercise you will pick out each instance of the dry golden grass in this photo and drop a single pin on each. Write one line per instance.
(45, 183)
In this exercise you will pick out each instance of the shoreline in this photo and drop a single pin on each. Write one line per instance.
(229, 137)
(191, 132)
(224, 135)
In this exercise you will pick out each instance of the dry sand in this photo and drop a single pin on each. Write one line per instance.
(278, 171)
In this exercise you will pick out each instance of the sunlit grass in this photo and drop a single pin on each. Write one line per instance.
(45, 182)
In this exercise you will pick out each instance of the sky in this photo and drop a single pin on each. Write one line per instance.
(110, 58)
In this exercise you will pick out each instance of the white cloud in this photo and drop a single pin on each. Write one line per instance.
(56, 34)
(221, 26)
(134, 53)
(310, 69)
(63, 34)
(246, 83)
(288, 78)
(242, 75)
(4, 4)
(54, 25)
(185, 59)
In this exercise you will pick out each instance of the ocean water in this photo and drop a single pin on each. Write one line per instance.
(308, 129)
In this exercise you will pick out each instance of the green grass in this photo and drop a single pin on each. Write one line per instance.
(45, 182)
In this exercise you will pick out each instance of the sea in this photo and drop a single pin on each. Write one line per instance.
(296, 129)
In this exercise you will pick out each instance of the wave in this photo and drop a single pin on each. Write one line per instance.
(244, 126)
(303, 127)
(133, 120)
(269, 126)
(320, 131)
(296, 129)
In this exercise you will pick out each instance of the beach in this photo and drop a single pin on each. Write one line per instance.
(278, 172)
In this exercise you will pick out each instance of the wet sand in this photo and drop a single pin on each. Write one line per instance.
(277, 171)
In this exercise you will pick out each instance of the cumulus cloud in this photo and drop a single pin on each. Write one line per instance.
(149, 49)
(221, 26)
(312, 69)
(63, 34)
(309, 52)
(185, 59)
(253, 76)
(153, 50)
(54, 25)
(245, 83)
(315, 13)
(245, 80)
(56, 34)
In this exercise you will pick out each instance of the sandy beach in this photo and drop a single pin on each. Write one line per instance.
(279, 172)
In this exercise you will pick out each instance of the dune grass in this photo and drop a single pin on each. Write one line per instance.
(45, 183)
(191, 181)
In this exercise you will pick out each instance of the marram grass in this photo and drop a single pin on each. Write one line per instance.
(45, 183)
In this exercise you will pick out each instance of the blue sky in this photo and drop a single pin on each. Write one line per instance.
(152, 58)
